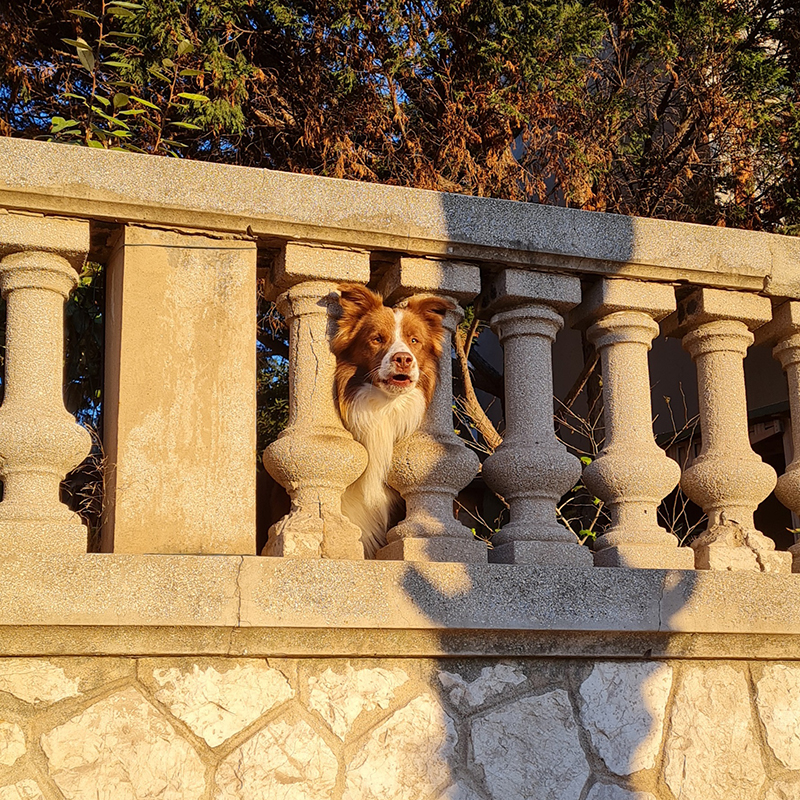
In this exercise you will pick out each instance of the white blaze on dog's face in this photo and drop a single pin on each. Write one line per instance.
(395, 350)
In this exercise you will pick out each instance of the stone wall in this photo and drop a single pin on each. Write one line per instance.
(398, 729)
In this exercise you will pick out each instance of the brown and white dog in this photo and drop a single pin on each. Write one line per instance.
(387, 365)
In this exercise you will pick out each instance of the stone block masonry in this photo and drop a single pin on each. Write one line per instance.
(211, 728)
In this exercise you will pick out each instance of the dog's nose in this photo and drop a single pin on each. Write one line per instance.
(403, 361)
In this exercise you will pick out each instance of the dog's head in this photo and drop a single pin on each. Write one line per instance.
(395, 350)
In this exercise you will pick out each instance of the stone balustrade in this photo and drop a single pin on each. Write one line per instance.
(179, 662)
(180, 367)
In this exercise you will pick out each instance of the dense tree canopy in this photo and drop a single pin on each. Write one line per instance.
(686, 109)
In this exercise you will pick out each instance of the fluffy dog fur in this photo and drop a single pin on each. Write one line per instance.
(386, 371)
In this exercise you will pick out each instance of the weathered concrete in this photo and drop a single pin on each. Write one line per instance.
(180, 394)
(130, 591)
(315, 459)
(22, 230)
(783, 331)
(59, 179)
(531, 469)
(632, 475)
(40, 442)
(432, 465)
(727, 480)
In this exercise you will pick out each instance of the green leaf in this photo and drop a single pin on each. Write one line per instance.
(121, 4)
(185, 73)
(79, 12)
(132, 112)
(86, 58)
(80, 43)
(114, 64)
(123, 13)
(151, 123)
(145, 102)
(173, 143)
(160, 75)
(198, 98)
(184, 47)
(124, 35)
(100, 99)
(58, 124)
(167, 62)
(121, 100)
(95, 143)
(188, 125)
(74, 96)
(586, 460)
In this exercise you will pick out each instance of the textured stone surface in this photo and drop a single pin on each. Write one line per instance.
(314, 458)
(623, 712)
(778, 702)
(36, 680)
(12, 743)
(491, 682)
(632, 474)
(339, 698)
(432, 465)
(610, 791)
(178, 432)
(285, 761)
(49, 177)
(711, 749)
(530, 749)
(405, 758)
(783, 791)
(68, 238)
(216, 705)
(728, 480)
(40, 441)
(122, 744)
(24, 790)
(531, 468)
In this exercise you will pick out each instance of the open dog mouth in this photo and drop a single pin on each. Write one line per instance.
(401, 380)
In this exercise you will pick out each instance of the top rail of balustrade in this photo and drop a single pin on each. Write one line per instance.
(64, 180)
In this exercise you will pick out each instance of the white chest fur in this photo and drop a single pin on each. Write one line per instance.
(377, 420)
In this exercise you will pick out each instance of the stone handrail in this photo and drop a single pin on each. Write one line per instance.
(184, 242)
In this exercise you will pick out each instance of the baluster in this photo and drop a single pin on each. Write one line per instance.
(727, 480)
(40, 441)
(531, 469)
(784, 332)
(432, 465)
(632, 474)
(315, 458)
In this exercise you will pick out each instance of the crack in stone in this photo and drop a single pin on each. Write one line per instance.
(238, 598)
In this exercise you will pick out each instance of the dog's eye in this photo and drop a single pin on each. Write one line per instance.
(377, 339)
(414, 341)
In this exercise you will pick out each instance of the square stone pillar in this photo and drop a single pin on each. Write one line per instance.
(180, 396)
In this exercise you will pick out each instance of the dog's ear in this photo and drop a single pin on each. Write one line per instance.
(431, 309)
(356, 300)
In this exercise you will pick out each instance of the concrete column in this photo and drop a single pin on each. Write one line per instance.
(432, 465)
(632, 474)
(179, 404)
(315, 459)
(784, 333)
(40, 442)
(727, 480)
(531, 469)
